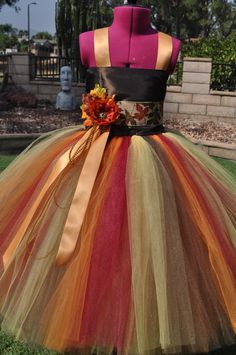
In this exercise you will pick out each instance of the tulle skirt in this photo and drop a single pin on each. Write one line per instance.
(153, 270)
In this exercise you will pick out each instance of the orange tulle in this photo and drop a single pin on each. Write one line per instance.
(152, 269)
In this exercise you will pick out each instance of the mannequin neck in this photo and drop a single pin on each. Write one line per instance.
(134, 19)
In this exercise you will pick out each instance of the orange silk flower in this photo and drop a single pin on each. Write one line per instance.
(98, 108)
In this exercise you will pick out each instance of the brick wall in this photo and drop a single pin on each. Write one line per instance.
(193, 100)
(19, 74)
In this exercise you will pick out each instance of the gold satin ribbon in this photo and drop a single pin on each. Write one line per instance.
(81, 199)
(57, 169)
(102, 52)
(101, 47)
(94, 142)
(164, 52)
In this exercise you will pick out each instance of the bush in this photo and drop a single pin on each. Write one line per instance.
(223, 54)
(218, 48)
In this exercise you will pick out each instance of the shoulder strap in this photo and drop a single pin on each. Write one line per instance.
(101, 47)
(102, 54)
(164, 52)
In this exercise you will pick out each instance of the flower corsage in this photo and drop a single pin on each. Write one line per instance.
(98, 108)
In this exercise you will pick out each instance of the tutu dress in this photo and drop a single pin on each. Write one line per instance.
(120, 239)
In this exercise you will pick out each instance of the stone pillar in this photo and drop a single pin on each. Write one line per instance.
(194, 100)
(196, 75)
(19, 68)
(180, 100)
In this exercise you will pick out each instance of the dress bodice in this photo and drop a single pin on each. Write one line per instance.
(129, 84)
(139, 92)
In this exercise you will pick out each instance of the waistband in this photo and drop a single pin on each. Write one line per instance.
(145, 130)
(134, 113)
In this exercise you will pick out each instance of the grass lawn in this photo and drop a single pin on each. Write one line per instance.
(5, 160)
(7, 344)
(228, 164)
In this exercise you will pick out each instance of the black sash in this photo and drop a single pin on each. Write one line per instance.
(122, 130)
(129, 84)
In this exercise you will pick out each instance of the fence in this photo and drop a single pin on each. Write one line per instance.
(176, 77)
(4, 68)
(223, 76)
(48, 68)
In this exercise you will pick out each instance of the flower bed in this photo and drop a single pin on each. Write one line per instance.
(46, 118)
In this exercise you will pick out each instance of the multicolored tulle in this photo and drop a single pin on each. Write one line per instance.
(154, 267)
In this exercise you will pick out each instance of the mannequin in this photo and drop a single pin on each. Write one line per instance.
(132, 41)
(134, 2)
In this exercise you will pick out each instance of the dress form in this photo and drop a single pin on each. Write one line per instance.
(132, 41)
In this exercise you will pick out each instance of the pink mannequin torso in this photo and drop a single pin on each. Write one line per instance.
(132, 41)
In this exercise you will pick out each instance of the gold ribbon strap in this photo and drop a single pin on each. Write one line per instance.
(81, 198)
(58, 170)
(101, 47)
(59, 166)
(164, 52)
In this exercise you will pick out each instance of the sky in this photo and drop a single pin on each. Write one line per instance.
(42, 16)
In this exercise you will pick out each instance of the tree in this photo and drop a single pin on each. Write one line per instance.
(42, 35)
(64, 26)
(74, 17)
(8, 36)
(11, 3)
(193, 18)
(205, 17)
(225, 17)
(184, 18)
(221, 50)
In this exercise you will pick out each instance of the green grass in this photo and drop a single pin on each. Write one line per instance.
(228, 164)
(8, 346)
(5, 160)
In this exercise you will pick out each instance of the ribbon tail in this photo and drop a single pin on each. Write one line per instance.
(9, 252)
(58, 168)
(81, 199)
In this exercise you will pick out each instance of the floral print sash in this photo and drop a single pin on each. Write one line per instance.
(140, 113)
